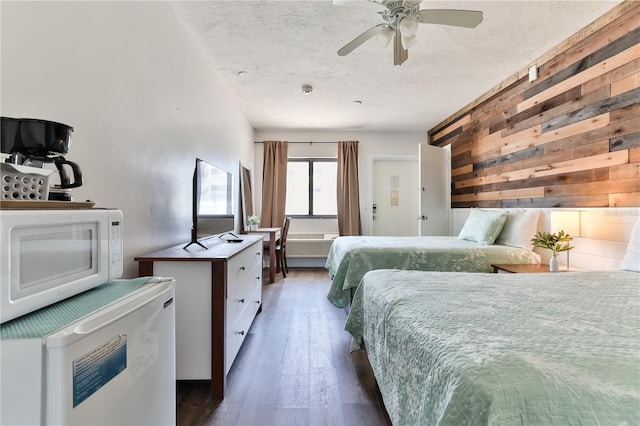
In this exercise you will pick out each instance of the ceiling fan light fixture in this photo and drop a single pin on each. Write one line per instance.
(401, 20)
(385, 36)
(408, 26)
(409, 41)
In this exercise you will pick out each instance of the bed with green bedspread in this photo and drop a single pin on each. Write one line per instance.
(350, 258)
(502, 349)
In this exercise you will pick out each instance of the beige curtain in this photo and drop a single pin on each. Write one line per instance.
(348, 192)
(274, 184)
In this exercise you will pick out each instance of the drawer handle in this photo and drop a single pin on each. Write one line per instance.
(256, 301)
(241, 300)
(241, 333)
(242, 268)
(257, 253)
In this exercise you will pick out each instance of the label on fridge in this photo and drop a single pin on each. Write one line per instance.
(96, 368)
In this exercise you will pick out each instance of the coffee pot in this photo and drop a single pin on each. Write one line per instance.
(33, 143)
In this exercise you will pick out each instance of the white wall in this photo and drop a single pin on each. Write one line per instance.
(372, 144)
(142, 98)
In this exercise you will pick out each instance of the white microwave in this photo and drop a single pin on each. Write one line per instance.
(49, 255)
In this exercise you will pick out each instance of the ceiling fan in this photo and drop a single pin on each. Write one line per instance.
(401, 19)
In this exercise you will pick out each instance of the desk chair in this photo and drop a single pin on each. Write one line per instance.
(281, 248)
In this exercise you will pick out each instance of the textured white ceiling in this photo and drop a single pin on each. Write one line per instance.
(267, 50)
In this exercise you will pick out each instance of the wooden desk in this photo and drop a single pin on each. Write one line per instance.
(274, 235)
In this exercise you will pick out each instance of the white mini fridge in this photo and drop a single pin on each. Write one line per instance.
(103, 357)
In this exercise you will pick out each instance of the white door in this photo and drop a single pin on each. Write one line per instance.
(395, 197)
(435, 190)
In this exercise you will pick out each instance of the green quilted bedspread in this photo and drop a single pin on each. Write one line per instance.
(350, 258)
(503, 349)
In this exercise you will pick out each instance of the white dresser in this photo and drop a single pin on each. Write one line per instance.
(218, 294)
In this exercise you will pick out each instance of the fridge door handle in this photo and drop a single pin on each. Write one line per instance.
(114, 313)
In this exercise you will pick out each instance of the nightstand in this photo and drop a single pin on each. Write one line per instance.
(524, 268)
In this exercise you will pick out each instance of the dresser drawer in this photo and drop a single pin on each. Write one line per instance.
(242, 263)
(239, 293)
(244, 272)
(237, 330)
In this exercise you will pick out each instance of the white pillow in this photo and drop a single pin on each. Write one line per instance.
(519, 229)
(483, 226)
(631, 261)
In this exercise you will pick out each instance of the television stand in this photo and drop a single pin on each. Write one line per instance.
(195, 242)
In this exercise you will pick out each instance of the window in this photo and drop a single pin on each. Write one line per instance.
(311, 187)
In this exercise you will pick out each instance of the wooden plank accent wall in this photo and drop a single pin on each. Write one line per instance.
(569, 139)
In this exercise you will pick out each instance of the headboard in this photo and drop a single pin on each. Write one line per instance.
(603, 235)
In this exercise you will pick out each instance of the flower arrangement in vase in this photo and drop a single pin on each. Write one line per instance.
(254, 221)
(556, 243)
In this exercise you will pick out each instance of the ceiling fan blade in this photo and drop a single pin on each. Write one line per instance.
(453, 17)
(371, 4)
(400, 54)
(349, 47)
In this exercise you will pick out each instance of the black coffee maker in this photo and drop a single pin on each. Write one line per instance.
(33, 142)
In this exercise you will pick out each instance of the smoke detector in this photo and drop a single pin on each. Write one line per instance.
(307, 89)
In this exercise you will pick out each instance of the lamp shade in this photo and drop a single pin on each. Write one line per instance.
(567, 221)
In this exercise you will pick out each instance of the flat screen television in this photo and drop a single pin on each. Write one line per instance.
(213, 196)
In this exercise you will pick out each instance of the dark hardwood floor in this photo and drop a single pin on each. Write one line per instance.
(294, 367)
